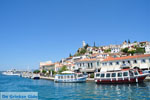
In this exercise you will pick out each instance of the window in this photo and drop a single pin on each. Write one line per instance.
(108, 75)
(110, 63)
(102, 75)
(97, 75)
(149, 59)
(80, 64)
(123, 62)
(113, 75)
(83, 64)
(143, 60)
(88, 65)
(98, 63)
(58, 77)
(131, 73)
(135, 61)
(136, 73)
(119, 74)
(105, 64)
(129, 61)
(91, 65)
(125, 73)
(61, 77)
(68, 76)
(71, 76)
(117, 63)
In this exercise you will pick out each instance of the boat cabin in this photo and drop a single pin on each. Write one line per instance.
(118, 74)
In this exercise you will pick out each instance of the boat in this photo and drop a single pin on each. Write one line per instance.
(35, 76)
(70, 77)
(13, 72)
(123, 76)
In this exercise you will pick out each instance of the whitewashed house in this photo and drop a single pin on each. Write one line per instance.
(87, 65)
(147, 49)
(115, 50)
(140, 61)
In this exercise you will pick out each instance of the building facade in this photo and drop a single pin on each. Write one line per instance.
(140, 61)
(87, 65)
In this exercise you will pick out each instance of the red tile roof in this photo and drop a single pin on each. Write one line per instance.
(87, 59)
(126, 57)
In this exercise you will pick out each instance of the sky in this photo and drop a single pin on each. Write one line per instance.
(33, 31)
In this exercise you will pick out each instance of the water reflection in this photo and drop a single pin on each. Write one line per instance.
(48, 90)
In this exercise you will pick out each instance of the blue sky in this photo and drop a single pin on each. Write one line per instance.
(40, 30)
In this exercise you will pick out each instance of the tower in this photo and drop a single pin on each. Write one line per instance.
(83, 44)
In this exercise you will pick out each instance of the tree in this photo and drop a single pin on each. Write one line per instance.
(125, 50)
(64, 68)
(53, 72)
(43, 71)
(108, 50)
(36, 71)
(83, 51)
(140, 50)
(94, 45)
(86, 46)
(70, 55)
(132, 52)
(129, 41)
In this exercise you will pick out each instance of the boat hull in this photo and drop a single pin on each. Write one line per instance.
(79, 80)
(136, 79)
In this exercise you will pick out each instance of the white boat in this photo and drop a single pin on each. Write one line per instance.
(35, 76)
(123, 76)
(70, 77)
(11, 72)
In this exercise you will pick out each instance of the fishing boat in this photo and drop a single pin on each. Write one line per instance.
(70, 77)
(123, 76)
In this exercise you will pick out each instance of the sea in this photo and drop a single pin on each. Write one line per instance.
(49, 90)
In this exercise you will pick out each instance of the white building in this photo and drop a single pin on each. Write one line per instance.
(147, 49)
(111, 64)
(115, 50)
(87, 65)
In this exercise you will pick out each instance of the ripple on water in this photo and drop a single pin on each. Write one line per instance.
(48, 90)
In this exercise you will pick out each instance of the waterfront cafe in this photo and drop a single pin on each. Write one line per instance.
(113, 64)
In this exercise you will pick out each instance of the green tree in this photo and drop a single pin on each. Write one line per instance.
(132, 52)
(36, 71)
(129, 41)
(70, 55)
(43, 71)
(83, 51)
(125, 50)
(64, 68)
(140, 50)
(86, 46)
(94, 45)
(107, 50)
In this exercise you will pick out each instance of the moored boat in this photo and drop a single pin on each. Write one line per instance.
(70, 77)
(123, 76)
(12, 72)
(35, 76)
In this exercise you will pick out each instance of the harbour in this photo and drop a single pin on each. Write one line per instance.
(49, 90)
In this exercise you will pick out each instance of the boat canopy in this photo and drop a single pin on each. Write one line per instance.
(67, 72)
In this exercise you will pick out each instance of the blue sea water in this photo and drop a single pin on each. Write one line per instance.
(48, 90)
